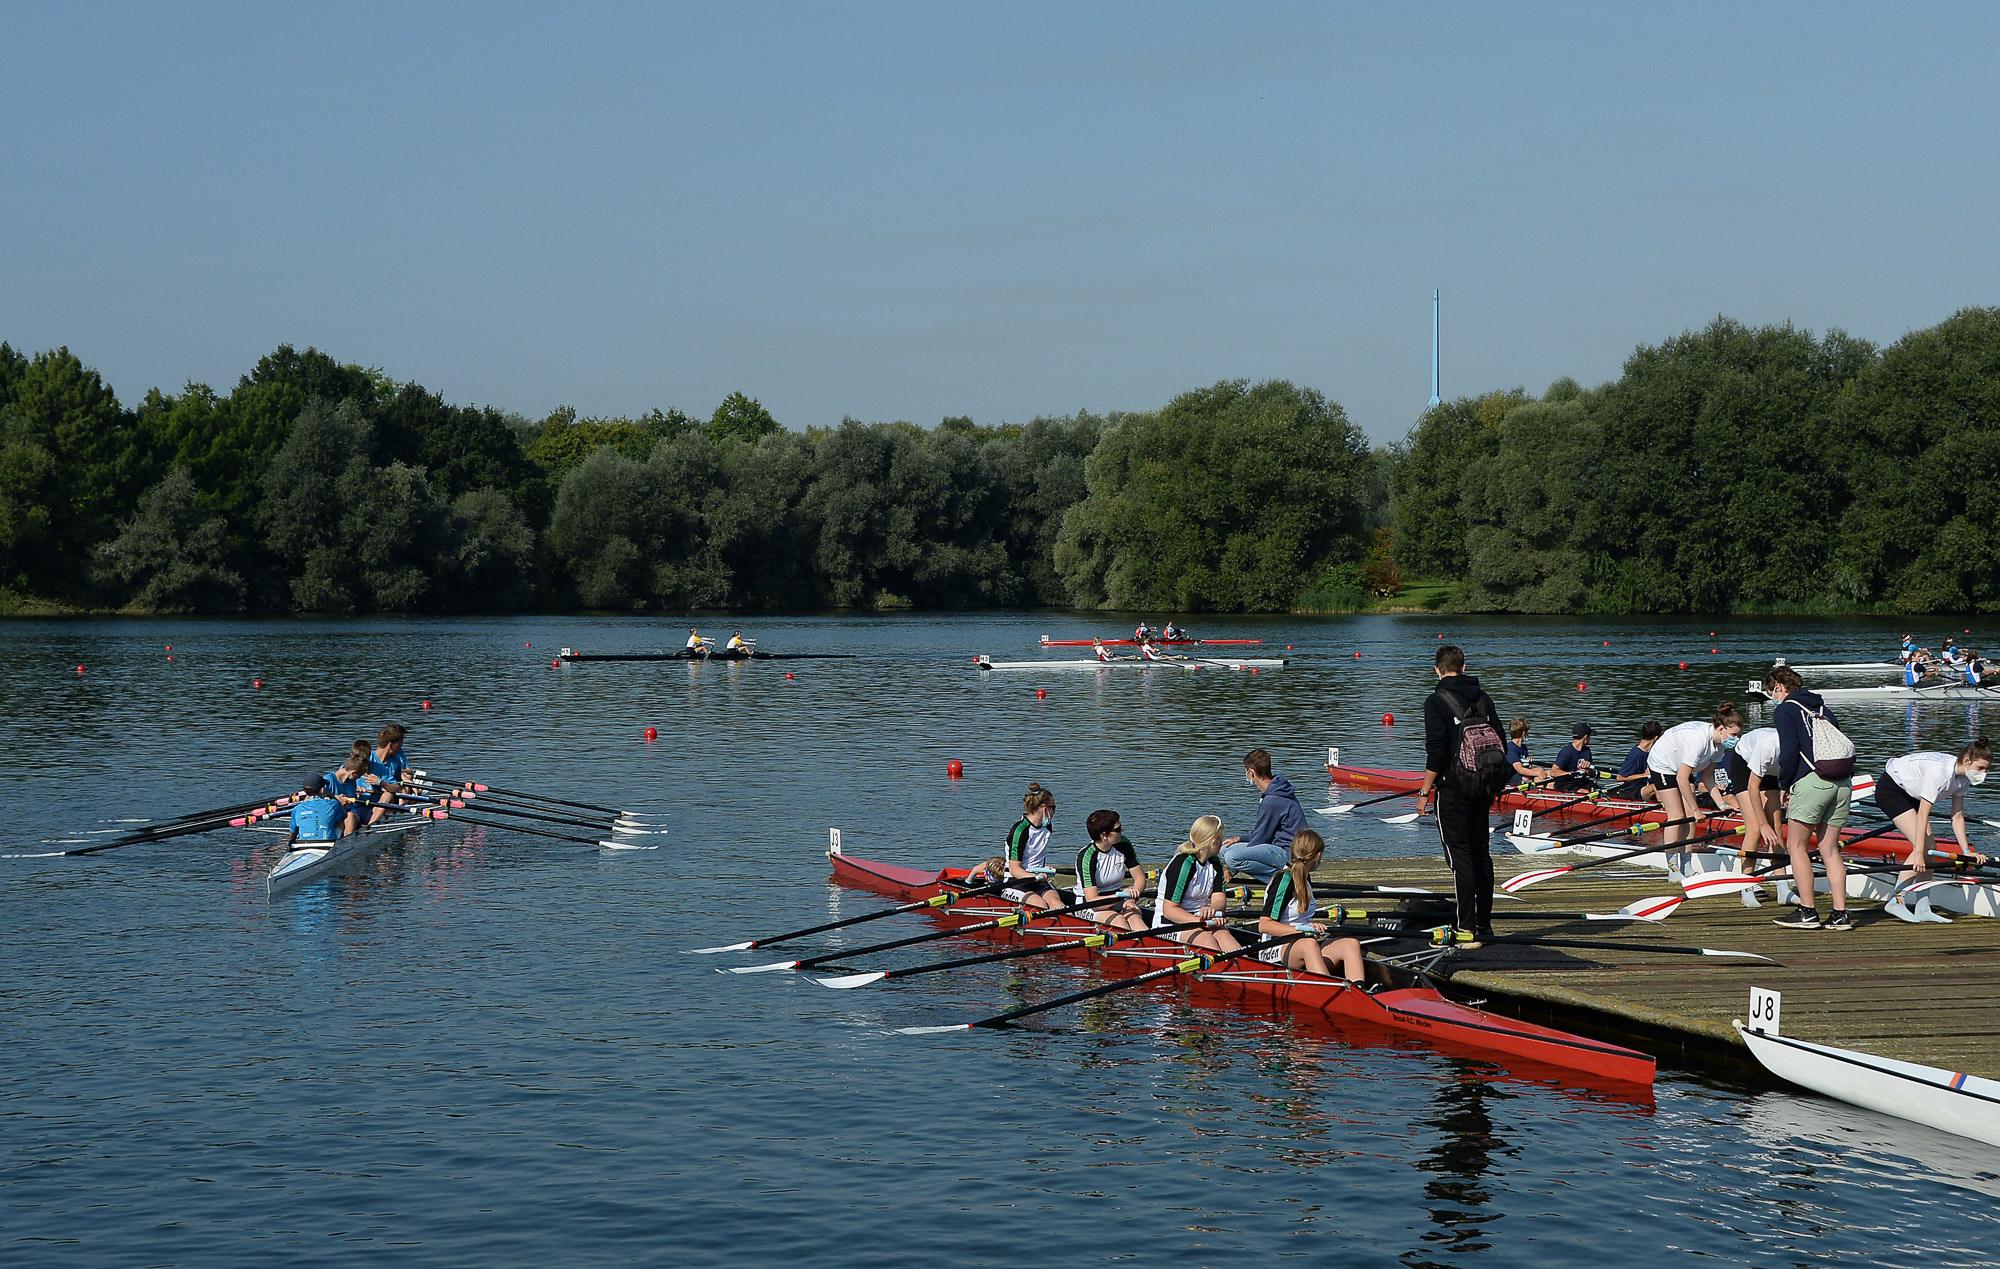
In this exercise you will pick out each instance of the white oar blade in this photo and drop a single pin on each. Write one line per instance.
(1401, 890)
(956, 1026)
(1345, 807)
(1747, 956)
(850, 981)
(1529, 844)
(726, 947)
(630, 845)
(1411, 818)
(1708, 883)
(1526, 879)
(1658, 908)
(772, 968)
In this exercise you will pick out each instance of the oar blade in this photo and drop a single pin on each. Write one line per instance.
(1704, 884)
(1411, 818)
(726, 947)
(849, 982)
(1345, 807)
(1746, 956)
(1658, 908)
(956, 1026)
(629, 845)
(771, 968)
(1523, 880)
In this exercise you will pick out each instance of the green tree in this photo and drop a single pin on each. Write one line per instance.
(1428, 468)
(740, 418)
(171, 557)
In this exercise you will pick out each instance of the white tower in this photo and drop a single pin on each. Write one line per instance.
(1435, 399)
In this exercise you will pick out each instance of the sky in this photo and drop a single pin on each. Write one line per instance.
(913, 211)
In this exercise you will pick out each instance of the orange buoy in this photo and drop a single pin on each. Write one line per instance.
(954, 768)
(1388, 720)
(652, 733)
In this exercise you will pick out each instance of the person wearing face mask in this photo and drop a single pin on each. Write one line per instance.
(1683, 756)
(1027, 853)
(1912, 784)
(1816, 805)
(1268, 848)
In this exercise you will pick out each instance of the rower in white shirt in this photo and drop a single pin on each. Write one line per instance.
(1914, 783)
(1679, 760)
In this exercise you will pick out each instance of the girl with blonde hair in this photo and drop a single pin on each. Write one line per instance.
(1191, 889)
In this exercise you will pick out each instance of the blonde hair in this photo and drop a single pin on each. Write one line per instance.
(1517, 729)
(1203, 833)
(993, 866)
(1307, 848)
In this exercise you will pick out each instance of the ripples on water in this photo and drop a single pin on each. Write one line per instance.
(484, 1048)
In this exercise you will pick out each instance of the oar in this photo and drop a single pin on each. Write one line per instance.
(439, 813)
(1445, 936)
(1192, 965)
(1596, 821)
(935, 901)
(1022, 916)
(1109, 937)
(1527, 879)
(1633, 831)
(1413, 816)
(476, 787)
(573, 821)
(1655, 909)
(1344, 808)
(1705, 884)
(495, 801)
(234, 818)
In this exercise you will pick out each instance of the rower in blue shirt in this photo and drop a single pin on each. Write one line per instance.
(1913, 673)
(1574, 769)
(388, 765)
(1632, 781)
(315, 821)
(354, 788)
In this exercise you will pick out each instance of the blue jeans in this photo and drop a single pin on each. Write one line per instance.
(1261, 860)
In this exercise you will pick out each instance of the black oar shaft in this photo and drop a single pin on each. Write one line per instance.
(1106, 938)
(442, 817)
(935, 901)
(1023, 916)
(1192, 965)
(487, 808)
(181, 828)
(517, 793)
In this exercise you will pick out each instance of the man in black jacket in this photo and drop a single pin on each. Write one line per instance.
(1461, 812)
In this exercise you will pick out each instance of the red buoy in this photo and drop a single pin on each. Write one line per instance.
(170, 657)
(652, 733)
(1357, 656)
(256, 682)
(1712, 651)
(954, 768)
(1607, 643)
(1711, 634)
(427, 704)
(1582, 687)
(170, 647)
(1041, 693)
(1684, 665)
(79, 669)
(555, 665)
(788, 674)
(527, 645)
(1388, 720)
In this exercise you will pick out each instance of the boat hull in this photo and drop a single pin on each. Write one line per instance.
(1398, 1000)
(301, 866)
(1179, 663)
(1894, 693)
(1950, 1101)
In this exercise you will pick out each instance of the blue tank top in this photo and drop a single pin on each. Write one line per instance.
(316, 820)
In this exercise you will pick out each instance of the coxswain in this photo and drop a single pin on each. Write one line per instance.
(352, 785)
(738, 645)
(1574, 767)
(1191, 890)
(1105, 866)
(388, 765)
(1684, 756)
(1912, 784)
(1028, 852)
(1632, 772)
(1288, 908)
(316, 821)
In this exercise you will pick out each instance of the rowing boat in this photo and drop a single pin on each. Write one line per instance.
(1951, 1101)
(719, 654)
(1395, 998)
(1175, 663)
(302, 865)
(1131, 643)
(1892, 693)
(1842, 667)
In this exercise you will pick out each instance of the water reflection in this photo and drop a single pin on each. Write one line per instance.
(1466, 1150)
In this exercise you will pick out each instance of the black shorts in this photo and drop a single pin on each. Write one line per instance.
(1739, 773)
(1892, 797)
(1659, 781)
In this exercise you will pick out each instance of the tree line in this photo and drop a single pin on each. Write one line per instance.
(1730, 469)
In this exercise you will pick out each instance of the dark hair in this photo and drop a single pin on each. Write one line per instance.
(1100, 823)
(1258, 763)
(1035, 797)
(1726, 716)
(1451, 658)
(390, 734)
(1517, 728)
(1652, 730)
(1978, 749)
(1783, 676)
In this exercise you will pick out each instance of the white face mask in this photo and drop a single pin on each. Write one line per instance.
(1977, 775)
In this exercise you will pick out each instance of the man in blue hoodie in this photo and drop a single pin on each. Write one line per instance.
(1268, 848)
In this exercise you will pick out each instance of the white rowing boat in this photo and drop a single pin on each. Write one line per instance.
(1844, 667)
(310, 861)
(1965, 896)
(1892, 693)
(1951, 1101)
(1172, 663)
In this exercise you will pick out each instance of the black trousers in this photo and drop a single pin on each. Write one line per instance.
(1465, 834)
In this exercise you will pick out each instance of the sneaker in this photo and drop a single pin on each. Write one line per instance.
(1802, 919)
(1839, 921)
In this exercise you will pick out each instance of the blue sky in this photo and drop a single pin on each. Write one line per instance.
(912, 211)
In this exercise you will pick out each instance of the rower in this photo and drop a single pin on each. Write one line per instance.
(1913, 672)
(351, 784)
(1143, 633)
(1105, 866)
(1751, 762)
(1684, 755)
(1975, 669)
(697, 647)
(1517, 753)
(387, 764)
(1028, 852)
(316, 821)
(1172, 635)
(1103, 653)
(1191, 889)
(1574, 768)
(738, 644)
(1151, 651)
(1632, 772)
(1288, 907)
(1912, 784)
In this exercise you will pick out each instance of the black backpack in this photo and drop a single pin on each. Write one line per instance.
(1477, 761)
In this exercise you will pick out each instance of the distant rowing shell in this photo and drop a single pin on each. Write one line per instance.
(1177, 663)
(1892, 693)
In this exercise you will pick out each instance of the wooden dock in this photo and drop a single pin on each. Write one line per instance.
(1923, 993)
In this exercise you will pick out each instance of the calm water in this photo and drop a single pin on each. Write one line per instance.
(489, 1049)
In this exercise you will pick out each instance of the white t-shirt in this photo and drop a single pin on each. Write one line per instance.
(1685, 744)
(1759, 751)
(1931, 777)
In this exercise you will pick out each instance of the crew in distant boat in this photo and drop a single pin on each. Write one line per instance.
(738, 644)
(1103, 653)
(1028, 852)
(1143, 633)
(1171, 634)
(697, 647)
(1632, 772)
(1153, 652)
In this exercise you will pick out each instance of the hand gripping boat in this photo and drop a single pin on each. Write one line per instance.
(1395, 998)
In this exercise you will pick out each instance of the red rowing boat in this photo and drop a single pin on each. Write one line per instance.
(1128, 643)
(1395, 999)
(1555, 805)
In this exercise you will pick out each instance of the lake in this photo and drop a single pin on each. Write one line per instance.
(485, 1048)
